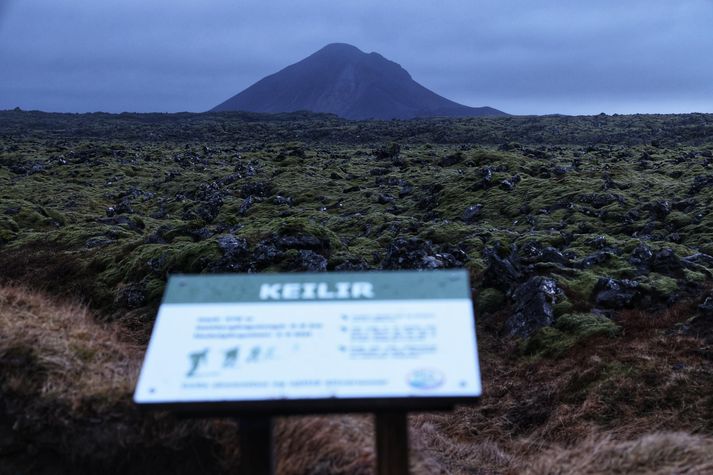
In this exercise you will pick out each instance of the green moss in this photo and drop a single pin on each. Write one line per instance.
(490, 300)
(569, 330)
(693, 276)
(584, 325)
(562, 307)
(659, 283)
(548, 341)
(581, 285)
(56, 216)
(679, 219)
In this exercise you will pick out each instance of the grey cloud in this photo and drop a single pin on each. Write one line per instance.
(519, 56)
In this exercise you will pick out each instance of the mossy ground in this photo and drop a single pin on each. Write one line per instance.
(102, 208)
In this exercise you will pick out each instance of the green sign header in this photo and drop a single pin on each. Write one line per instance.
(398, 285)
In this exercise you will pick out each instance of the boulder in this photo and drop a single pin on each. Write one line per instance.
(390, 151)
(246, 205)
(706, 308)
(534, 302)
(502, 273)
(308, 261)
(596, 258)
(616, 294)
(415, 253)
(665, 261)
(451, 160)
(131, 296)
(658, 209)
(236, 255)
(258, 188)
(641, 257)
(472, 213)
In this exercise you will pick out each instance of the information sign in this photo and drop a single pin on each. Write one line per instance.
(326, 342)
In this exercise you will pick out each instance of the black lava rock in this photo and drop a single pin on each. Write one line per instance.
(706, 308)
(451, 160)
(308, 261)
(594, 259)
(259, 188)
(658, 209)
(236, 255)
(533, 306)
(665, 261)
(246, 205)
(502, 273)
(415, 253)
(389, 151)
(132, 296)
(616, 294)
(472, 213)
(641, 257)
(700, 182)
(233, 247)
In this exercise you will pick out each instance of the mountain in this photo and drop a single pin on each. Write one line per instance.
(343, 80)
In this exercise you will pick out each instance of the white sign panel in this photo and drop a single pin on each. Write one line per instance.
(262, 337)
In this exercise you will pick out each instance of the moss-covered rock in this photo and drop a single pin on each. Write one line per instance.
(568, 331)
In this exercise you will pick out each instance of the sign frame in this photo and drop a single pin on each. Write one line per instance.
(329, 405)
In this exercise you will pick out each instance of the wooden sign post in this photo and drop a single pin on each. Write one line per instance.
(261, 345)
(256, 445)
(391, 443)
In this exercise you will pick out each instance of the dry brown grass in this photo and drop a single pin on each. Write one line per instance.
(77, 358)
(652, 454)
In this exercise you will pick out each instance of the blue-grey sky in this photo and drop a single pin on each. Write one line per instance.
(520, 56)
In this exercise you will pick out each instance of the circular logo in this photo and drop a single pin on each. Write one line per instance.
(425, 378)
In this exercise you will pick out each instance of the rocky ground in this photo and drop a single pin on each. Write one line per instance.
(588, 241)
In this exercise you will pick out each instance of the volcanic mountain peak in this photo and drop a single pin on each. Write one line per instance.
(343, 80)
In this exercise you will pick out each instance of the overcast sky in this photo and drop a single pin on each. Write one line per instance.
(520, 56)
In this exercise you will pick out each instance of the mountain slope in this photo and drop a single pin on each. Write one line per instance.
(342, 80)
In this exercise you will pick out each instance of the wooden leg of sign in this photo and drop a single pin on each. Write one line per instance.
(391, 443)
(256, 457)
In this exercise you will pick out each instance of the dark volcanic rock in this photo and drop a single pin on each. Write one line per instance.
(658, 209)
(472, 213)
(706, 308)
(246, 205)
(641, 257)
(598, 200)
(303, 241)
(550, 254)
(132, 296)
(533, 306)
(451, 160)
(236, 255)
(533, 252)
(291, 252)
(261, 189)
(134, 225)
(415, 253)
(307, 261)
(430, 194)
(700, 259)
(615, 294)
(701, 325)
(665, 261)
(352, 264)
(700, 182)
(594, 259)
(502, 273)
(233, 247)
(390, 151)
